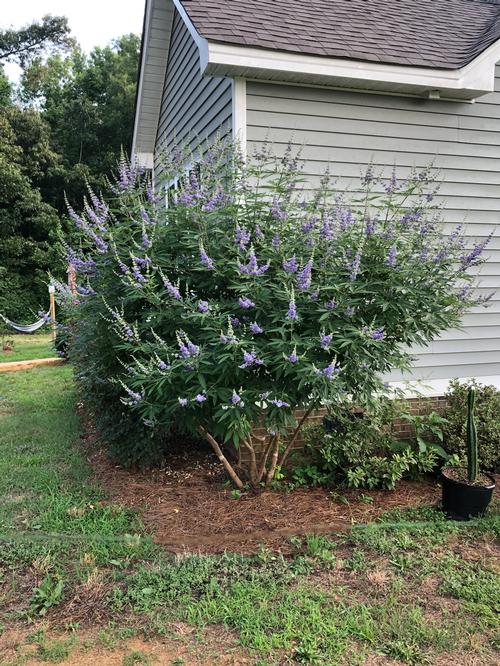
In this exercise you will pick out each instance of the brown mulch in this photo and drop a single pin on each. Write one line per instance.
(188, 507)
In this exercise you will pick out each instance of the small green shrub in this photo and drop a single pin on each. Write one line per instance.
(487, 416)
(360, 451)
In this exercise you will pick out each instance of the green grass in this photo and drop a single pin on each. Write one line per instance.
(411, 586)
(28, 347)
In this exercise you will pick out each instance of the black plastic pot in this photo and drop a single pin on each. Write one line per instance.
(462, 501)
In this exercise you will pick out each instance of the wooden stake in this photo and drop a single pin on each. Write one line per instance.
(52, 291)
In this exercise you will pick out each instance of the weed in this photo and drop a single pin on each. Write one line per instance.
(49, 593)
(136, 657)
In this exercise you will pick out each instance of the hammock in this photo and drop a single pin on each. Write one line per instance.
(30, 328)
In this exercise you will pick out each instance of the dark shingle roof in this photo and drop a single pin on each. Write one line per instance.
(425, 33)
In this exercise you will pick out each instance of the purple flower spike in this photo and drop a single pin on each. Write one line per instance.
(293, 358)
(235, 399)
(355, 266)
(205, 259)
(242, 237)
(378, 334)
(279, 403)
(253, 268)
(172, 289)
(200, 398)
(331, 305)
(162, 365)
(246, 303)
(290, 265)
(331, 371)
(292, 308)
(276, 241)
(305, 276)
(255, 328)
(183, 402)
(258, 233)
(203, 307)
(392, 257)
(250, 359)
(277, 211)
(326, 340)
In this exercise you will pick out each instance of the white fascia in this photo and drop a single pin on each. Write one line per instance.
(200, 41)
(475, 79)
(145, 38)
(239, 113)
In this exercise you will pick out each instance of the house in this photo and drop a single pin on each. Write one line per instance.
(402, 82)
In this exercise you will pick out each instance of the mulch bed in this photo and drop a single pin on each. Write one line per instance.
(187, 507)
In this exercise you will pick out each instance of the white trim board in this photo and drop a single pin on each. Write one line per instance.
(434, 388)
(239, 113)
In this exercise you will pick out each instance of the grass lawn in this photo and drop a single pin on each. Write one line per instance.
(81, 582)
(27, 347)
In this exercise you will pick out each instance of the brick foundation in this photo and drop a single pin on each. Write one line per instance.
(416, 406)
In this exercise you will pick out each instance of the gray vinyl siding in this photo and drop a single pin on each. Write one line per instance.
(348, 130)
(194, 108)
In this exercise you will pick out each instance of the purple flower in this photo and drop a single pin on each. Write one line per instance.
(290, 265)
(331, 371)
(293, 358)
(242, 237)
(309, 225)
(218, 199)
(146, 241)
(250, 359)
(186, 348)
(392, 257)
(200, 398)
(235, 399)
(253, 268)
(172, 289)
(258, 233)
(162, 365)
(245, 303)
(279, 403)
(378, 334)
(292, 308)
(276, 241)
(331, 305)
(327, 230)
(350, 311)
(370, 226)
(205, 259)
(314, 296)
(203, 307)
(145, 218)
(326, 340)
(183, 402)
(305, 276)
(234, 321)
(277, 212)
(355, 265)
(255, 328)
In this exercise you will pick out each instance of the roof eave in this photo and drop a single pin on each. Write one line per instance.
(467, 83)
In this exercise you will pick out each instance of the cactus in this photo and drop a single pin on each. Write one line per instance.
(472, 457)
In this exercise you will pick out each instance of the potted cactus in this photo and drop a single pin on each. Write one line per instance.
(466, 491)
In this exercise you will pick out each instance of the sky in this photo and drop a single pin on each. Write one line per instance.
(92, 22)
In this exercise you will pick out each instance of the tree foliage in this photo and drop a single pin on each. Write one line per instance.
(27, 224)
(33, 40)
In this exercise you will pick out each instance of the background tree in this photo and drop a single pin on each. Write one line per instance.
(28, 225)
(88, 104)
(34, 39)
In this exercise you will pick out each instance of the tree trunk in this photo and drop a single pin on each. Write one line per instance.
(218, 451)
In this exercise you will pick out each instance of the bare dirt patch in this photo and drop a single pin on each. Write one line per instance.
(187, 507)
(86, 649)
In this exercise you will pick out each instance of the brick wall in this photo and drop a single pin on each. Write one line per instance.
(417, 406)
